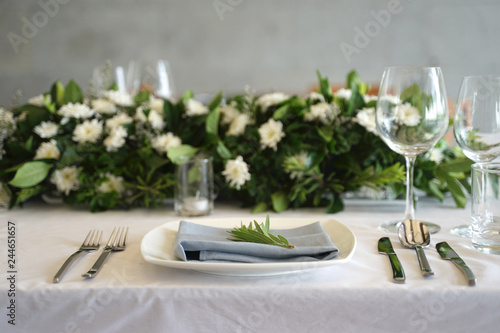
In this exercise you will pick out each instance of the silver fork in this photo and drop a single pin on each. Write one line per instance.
(90, 244)
(117, 242)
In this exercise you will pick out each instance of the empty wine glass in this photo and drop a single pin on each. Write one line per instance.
(411, 117)
(156, 77)
(477, 123)
(128, 78)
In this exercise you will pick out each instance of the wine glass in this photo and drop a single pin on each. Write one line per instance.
(128, 79)
(156, 77)
(477, 123)
(411, 117)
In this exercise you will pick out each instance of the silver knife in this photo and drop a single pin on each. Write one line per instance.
(446, 252)
(385, 247)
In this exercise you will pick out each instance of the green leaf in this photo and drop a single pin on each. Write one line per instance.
(461, 165)
(172, 115)
(26, 193)
(188, 94)
(324, 87)
(326, 132)
(259, 208)
(223, 151)
(410, 93)
(259, 235)
(72, 93)
(434, 188)
(31, 174)
(57, 93)
(281, 111)
(356, 102)
(177, 154)
(212, 124)
(280, 201)
(456, 191)
(141, 97)
(34, 114)
(215, 102)
(336, 205)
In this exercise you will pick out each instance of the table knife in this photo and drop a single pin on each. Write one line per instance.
(385, 247)
(446, 252)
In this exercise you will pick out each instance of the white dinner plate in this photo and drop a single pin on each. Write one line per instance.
(157, 247)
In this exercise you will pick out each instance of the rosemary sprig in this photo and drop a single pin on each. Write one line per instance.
(259, 234)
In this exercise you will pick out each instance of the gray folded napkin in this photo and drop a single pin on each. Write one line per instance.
(196, 242)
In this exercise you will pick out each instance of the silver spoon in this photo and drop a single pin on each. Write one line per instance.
(414, 234)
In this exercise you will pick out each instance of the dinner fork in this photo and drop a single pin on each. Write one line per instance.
(117, 242)
(90, 244)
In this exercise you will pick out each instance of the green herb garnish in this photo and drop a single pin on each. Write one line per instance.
(259, 234)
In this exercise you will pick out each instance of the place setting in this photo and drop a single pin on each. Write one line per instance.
(477, 134)
(410, 118)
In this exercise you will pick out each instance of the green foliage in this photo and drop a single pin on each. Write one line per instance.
(259, 233)
(317, 159)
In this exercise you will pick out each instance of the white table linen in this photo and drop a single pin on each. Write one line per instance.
(132, 295)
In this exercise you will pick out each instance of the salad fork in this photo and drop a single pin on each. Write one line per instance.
(90, 244)
(117, 242)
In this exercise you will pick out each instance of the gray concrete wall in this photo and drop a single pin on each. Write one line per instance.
(227, 44)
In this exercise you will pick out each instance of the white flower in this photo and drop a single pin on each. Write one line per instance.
(77, 110)
(6, 118)
(88, 131)
(37, 100)
(139, 115)
(407, 114)
(113, 183)
(46, 129)
(267, 100)
(236, 172)
(103, 106)
(270, 134)
(4, 197)
(370, 98)
(314, 96)
(323, 112)
(343, 93)
(156, 104)
(239, 124)
(164, 142)
(66, 179)
(435, 154)
(195, 108)
(118, 120)
(48, 150)
(116, 139)
(229, 113)
(366, 118)
(119, 98)
(156, 120)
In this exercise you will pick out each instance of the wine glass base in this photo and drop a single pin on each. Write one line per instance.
(462, 231)
(391, 227)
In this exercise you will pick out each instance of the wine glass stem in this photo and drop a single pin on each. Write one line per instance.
(410, 209)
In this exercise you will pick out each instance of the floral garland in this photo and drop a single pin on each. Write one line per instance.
(274, 151)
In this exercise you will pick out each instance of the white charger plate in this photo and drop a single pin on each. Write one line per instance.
(157, 247)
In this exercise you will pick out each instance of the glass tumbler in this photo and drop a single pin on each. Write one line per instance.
(194, 189)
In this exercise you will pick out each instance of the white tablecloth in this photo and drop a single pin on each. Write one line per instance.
(132, 295)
